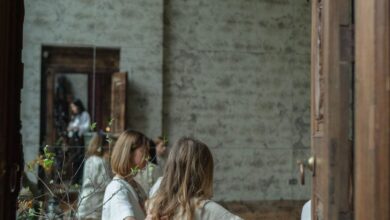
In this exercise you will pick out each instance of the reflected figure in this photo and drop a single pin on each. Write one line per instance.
(61, 106)
(78, 125)
(96, 177)
(61, 117)
(80, 121)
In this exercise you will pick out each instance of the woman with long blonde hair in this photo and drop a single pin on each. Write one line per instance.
(187, 185)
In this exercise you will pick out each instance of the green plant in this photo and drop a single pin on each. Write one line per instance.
(46, 160)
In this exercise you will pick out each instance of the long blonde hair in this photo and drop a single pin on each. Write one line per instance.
(188, 178)
(121, 158)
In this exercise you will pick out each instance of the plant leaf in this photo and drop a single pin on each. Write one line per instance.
(47, 163)
(93, 126)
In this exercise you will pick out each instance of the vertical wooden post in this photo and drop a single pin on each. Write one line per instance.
(331, 86)
(372, 166)
(11, 73)
(118, 101)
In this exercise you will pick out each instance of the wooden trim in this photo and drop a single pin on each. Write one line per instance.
(337, 113)
(118, 101)
(316, 121)
(80, 59)
(372, 166)
(50, 131)
(331, 88)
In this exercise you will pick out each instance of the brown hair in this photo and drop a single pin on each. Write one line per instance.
(158, 140)
(95, 146)
(188, 175)
(121, 158)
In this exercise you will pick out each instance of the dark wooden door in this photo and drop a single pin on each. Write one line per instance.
(331, 129)
(118, 101)
(372, 164)
(11, 81)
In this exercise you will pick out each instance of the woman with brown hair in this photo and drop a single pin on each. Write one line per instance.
(187, 186)
(124, 198)
(154, 169)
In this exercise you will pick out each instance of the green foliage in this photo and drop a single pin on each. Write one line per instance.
(47, 163)
(93, 126)
(108, 139)
(33, 208)
(59, 141)
(46, 160)
(110, 122)
(134, 171)
(165, 140)
(48, 155)
(29, 209)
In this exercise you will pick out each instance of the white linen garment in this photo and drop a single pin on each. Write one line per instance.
(121, 201)
(96, 177)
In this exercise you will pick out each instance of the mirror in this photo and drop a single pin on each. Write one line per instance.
(234, 74)
(75, 73)
(83, 96)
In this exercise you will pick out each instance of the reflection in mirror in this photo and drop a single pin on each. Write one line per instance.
(80, 95)
(234, 74)
(72, 73)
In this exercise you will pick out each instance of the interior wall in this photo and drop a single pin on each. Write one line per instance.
(237, 76)
(131, 25)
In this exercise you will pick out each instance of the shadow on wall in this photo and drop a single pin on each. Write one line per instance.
(137, 107)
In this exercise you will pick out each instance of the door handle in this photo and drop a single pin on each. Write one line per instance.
(308, 164)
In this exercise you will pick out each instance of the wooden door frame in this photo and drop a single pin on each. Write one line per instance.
(331, 85)
(372, 163)
(118, 102)
(68, 59)
(11, 81)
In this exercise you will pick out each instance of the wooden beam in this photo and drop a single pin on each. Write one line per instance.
(372, 162)
(331, 87)
(11, 73)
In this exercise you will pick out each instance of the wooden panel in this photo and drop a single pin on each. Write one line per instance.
(11, 73)
(320, 179)
(50, 131)
(102, 103)
(316, 69)
(331, 86)
(372, 164)
(118, 102)
(261, 210)
(64, 57)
